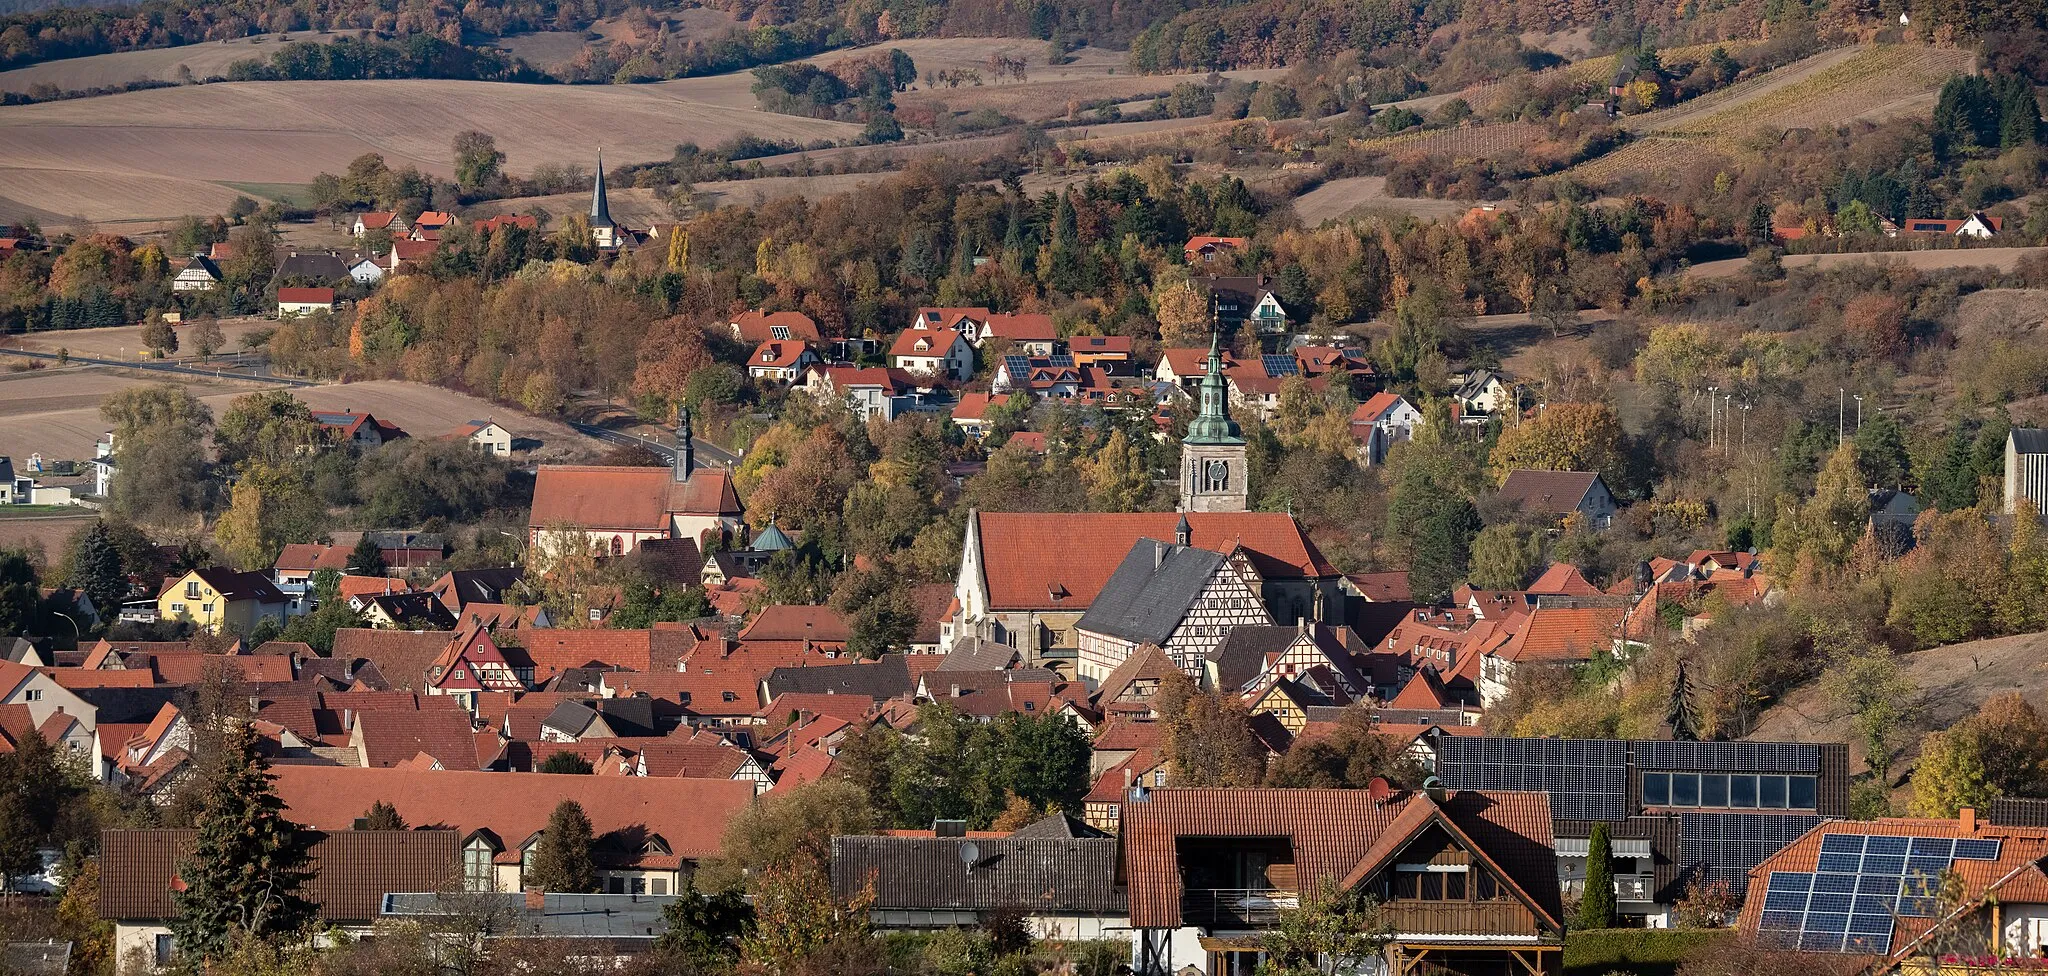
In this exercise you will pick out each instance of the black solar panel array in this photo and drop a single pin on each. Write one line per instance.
(1725, 846)
(1280, 365)
(1062, 361)
(1861, 883)
(1587, 779)
(1746, 757)
(1018, 366)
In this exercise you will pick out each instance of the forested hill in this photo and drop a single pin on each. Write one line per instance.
(1164, 34)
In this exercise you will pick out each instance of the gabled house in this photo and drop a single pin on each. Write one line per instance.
(1112, 354)
(1465, 880)
(485, 436)
(1976, 225)
(1058, 873)
(406, 611)
(780, 360)
(872, 391)
(1029, 334)
(294, 302)
(1055, 377)
(1184, 366)
(1240, 300)
(1175, 597)
(970, 412)
(617, 508)
(198, 274)
(753, 327)
(1204, 249)
(969, 322)
(934, 354)
(469, 666)
(378, 220)
(360, 428)
(1382, 421)
(650, 832)
(216, 597)
(429, 225)
(1561, 493)
(1485, 393)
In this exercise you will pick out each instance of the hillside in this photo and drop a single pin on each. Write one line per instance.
(163, 152)
(157, 64)
(1951, 682)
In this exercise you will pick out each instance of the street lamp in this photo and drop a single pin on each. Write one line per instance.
(1859, 412)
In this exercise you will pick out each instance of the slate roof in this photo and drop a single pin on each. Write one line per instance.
(1033, 874)
(886, 678)
(414, 611)
(1244, 651)
(635, 919)
(1553, 492)
(353, 869)
(240, 586)
(1151, 591)
(971, 653)
(313, 267)
(2030, 440)
(461, 587)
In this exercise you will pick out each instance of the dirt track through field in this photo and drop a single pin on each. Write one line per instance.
(1339, 198)
(2002, 258)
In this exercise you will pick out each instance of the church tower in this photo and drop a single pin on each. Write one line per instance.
(603, 232)
(1212, 457)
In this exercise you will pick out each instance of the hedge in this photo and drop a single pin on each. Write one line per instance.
(1640, 952)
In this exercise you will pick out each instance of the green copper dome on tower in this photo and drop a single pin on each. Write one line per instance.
(772, 539)
(1213, 425)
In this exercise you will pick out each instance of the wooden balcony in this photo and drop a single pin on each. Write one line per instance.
(1456, 918)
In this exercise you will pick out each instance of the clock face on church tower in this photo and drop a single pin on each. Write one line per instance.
(1217, 477)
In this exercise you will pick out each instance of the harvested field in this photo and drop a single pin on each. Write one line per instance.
(45, 534)
(935, 54)
(2002, 258)
(158, 64)
(1358, 195)
(56, 413)
(125, 341)
(128, 156)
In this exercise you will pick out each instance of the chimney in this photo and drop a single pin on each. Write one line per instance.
(1127, 779)
(956, 690)
(1967, 817)
(536, 899)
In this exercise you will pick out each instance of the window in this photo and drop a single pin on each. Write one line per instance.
(618, 546)
(206, 608)
(477, 872)
(165, 950)
(192, 589)
(526, 862)
(1430, 882)
(615, 885)
(177, 608)
(637, 886)
(779, 331)
(1734, 791)
(660, 886)
(728, 696)
(32, 694)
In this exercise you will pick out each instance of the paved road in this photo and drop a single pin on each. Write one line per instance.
(705, 449)
(163, 367)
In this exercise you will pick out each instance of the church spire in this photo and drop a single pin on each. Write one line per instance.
(1213, 425)
(600, 208)
(686, 447)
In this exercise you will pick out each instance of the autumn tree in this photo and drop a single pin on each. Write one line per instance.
(1818, 533)
(206, 336)
(2002, 750)
(1118, 480)
(1209, 740)
(271, 425)
(159, 336)
(477, 160)
(1349, 757)
(270, 505)
(1332, 929)
(383, 816)
(1181, 310)
(788, 828)
(162, 473)
(1505, 557)
(1564, 437)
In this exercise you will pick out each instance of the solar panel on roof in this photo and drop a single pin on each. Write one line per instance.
(1063, 361)
(1862, 884)
(1280, 365)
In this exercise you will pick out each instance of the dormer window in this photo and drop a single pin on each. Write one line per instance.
(728, 696)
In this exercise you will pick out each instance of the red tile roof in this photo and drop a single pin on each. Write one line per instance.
(1564, 634)
(597, 497)
(974, 406)
(690, 815)
(1053, 561)
(778, 354)
(756, 326)
(1563, 578)
(313, 296)
(1022, 327)
(1382, 587)
(489, 224)
(924, 342)
(1375, 409)
(393, 737)
(353, 870)
(787, 622)
(311, 557)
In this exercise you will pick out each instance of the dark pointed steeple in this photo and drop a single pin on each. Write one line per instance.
(1183, 534)
(686, 448)
(600, 208)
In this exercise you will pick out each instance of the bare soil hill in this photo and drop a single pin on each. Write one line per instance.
(163, 152)
(2002, 258)
(156, 64)
(45, 534)
(1355, 195)
(125, 341)
(1951, 682)
(1048, 95)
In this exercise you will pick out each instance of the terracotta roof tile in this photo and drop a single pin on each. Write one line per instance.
(690, 815)
(353, 870)
(1061, 561)
(392, 737)
(401, 656)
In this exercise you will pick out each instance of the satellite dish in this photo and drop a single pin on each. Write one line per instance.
(970, 853)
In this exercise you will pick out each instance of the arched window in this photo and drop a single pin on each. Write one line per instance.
(618, 546)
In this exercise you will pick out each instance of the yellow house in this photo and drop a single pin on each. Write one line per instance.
(218, 597)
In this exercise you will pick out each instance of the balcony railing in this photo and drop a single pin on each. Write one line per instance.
(1458, 918)
(1235, 907)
